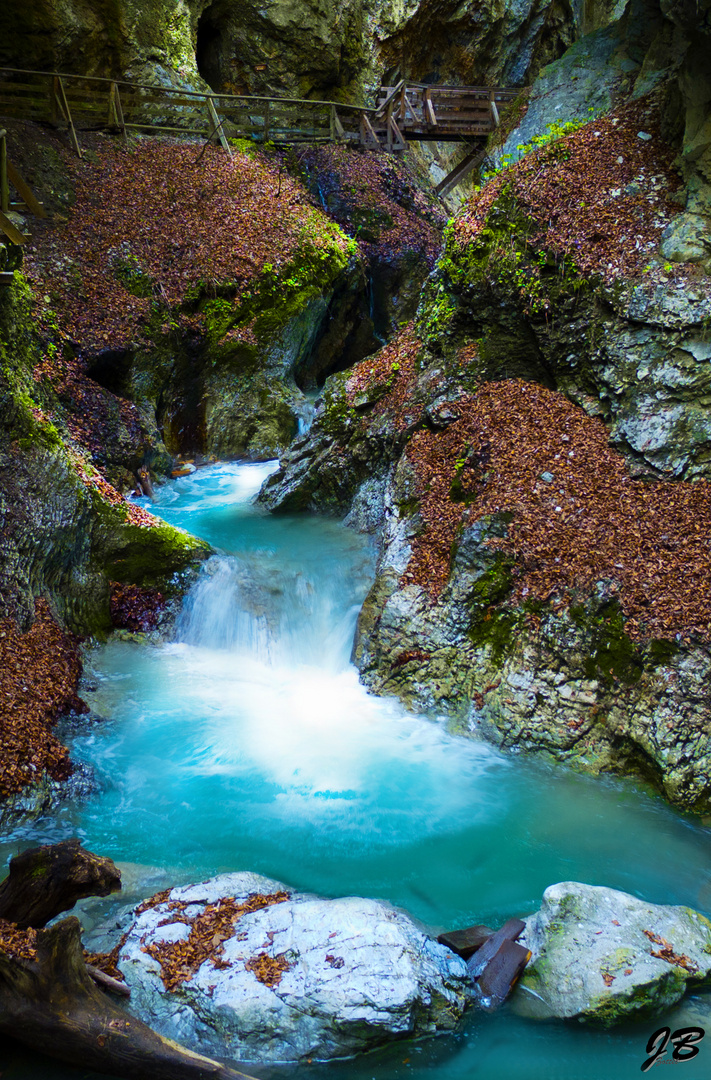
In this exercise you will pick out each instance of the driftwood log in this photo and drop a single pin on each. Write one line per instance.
(45, 881)
(48, 999)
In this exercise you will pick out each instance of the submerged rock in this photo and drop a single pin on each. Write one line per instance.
(298, 977)
(602, 956)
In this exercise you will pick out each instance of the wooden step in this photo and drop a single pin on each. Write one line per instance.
(466, 942)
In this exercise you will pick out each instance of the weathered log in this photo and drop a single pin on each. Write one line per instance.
(501, 974)
(508, 932)
(45, 881)
(51, 1004)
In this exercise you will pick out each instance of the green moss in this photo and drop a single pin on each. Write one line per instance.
(153, 557)
(661, 651)
(607, 1009)
(369, 222)
(504, 257)
(280, 293)
(244, 146)
(437, 313)
(612, 656)
(408, 507)
(128, 270)
(495, 628)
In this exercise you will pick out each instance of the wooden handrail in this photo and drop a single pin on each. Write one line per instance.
(408, 110)
(188, 93)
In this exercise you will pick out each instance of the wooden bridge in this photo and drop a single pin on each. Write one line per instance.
(406, 112)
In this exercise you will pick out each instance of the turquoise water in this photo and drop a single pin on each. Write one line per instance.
(247, 743)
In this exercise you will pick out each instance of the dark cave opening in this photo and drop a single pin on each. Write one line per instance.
(209, 48)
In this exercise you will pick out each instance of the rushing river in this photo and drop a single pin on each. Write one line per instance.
(249, 744)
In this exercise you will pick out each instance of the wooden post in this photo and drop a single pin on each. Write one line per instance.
(4, 189)
(266, 121)
(54, 99)
(403, 103)
(389, 127)
(218, 125)
(494, 110)
(337, 130)
(119, 113)
(367, 134)
(113, 120)
(428, 108)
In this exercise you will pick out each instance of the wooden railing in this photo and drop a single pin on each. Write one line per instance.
(417, 111)
(86, 102)
(10, 175)
(406, 111)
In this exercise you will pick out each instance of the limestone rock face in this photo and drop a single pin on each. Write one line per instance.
(305, 48)
(594, 955)
(650, 44)
(60, 537)
(300, 978)
(569, 683)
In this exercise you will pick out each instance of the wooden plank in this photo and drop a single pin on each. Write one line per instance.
(501, 974)
(395, 141)
(165, 100)
(119, 114)
(466, 942)
(7, 277)
(367, 135)
(508, 932)
(197, 132)
(23, 102)
(11, 231)
(409, 107)
(10, 87)
(64, 106)
(25, 191)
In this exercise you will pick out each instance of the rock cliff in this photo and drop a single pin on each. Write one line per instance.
(535, 586)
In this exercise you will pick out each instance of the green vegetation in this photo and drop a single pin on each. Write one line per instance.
(553, 136)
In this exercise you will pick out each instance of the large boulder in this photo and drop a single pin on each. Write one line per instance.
(602, 956)
(258, 972)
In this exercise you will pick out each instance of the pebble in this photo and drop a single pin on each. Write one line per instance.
(644, 135)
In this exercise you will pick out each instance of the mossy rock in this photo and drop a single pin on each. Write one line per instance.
(593, 956)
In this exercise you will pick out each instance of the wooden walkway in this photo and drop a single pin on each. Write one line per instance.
(406, 112)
